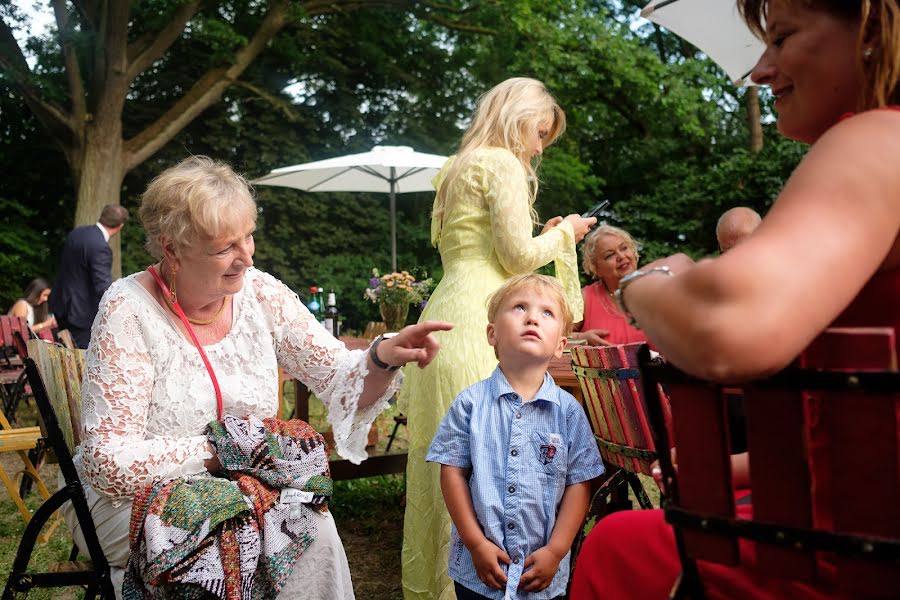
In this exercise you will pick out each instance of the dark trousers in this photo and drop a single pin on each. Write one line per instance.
(464, 593)
(80, 335)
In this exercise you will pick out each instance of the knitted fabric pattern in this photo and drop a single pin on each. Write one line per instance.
(239, 535)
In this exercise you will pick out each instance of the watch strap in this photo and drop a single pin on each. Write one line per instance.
(373, 354)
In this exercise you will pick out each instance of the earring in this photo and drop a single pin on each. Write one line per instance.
(867, 53)
(172, 297)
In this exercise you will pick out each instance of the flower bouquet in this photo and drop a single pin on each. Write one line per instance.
(393, 293)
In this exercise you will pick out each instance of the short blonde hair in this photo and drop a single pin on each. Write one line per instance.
(501, 119)
(533, 281)
(590, 245)
(197, 198)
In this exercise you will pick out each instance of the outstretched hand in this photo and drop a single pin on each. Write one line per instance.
(415, 343)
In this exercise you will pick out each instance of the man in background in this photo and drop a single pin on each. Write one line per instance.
(85, 272)
(734, 225)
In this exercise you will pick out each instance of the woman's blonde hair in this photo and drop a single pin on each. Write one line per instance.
(532, 281)
(197, 198)
(590, 245)
(502, 117)
(879, 31)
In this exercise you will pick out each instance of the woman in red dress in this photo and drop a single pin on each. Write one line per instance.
(609, 254)
(826, 254)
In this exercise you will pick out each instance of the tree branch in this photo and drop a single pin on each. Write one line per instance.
(53, 118)
(149, 48)
(326, 7)
(70, 59)
(286, 108)
(205, 92)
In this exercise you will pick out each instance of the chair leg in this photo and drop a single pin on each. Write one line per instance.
(639, 493)
(397, 424)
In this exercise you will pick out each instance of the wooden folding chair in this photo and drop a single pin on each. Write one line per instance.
(66, 339)
(824, 467)
(614, 401)
(55, 374)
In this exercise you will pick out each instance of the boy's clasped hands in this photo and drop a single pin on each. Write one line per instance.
(539, 570)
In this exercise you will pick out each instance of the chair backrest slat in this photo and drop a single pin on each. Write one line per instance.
(862, 456)
(779, 475)
(6, 329)
(61, 370)
(704, 465)
(614, 402)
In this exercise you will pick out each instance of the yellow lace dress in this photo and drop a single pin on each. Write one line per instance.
(486, 238)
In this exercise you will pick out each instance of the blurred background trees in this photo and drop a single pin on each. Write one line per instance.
(652, 125)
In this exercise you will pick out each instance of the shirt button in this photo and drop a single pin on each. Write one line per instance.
(511, 526)
(515, 396)
(512, 489)
(514, 452)
(516, 561)
(518, 415)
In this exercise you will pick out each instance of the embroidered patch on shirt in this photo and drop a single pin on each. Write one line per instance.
(548, 452)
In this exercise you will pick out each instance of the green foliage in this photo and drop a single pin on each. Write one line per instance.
(21, 248)
(652, 125)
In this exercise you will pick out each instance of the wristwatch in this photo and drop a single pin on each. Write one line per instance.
(373, 353)
(625, 281)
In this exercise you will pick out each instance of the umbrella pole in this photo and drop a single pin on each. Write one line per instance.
(393, 220)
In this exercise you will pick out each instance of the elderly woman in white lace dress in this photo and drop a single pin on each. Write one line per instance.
(148, 394)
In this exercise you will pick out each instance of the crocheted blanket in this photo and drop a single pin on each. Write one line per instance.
(236, 536)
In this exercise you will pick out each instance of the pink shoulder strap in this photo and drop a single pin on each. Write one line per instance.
(187, 325)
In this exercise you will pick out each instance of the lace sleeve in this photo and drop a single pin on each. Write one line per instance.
(335, 374)
(506, 190)
(118, 456)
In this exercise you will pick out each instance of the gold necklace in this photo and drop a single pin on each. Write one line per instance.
(208, 321)
(213, 318)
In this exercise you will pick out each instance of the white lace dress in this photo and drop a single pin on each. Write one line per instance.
(147, 398)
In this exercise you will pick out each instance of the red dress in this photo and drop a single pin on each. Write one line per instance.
(600, 312)
(631, 554)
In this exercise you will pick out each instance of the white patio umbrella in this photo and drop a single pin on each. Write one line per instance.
(715, 27)
(389, 169)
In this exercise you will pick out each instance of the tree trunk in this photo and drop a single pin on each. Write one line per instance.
(99, 174)
(754, 119)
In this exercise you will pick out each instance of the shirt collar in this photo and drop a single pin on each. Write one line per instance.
(500, 387)
(103, 230)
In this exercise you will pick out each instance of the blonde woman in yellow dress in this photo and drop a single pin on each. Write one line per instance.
(482, 224)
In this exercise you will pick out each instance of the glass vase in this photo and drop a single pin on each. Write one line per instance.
(393, 315)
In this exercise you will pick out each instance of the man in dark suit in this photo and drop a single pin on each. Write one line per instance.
(85, 272)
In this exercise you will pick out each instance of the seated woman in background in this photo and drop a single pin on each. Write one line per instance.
(32, 306)
(609, 254)
(149, 394)
(834, 69)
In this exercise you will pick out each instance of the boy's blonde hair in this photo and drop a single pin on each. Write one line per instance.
(548, 285)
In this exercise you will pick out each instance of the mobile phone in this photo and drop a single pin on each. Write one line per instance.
(596, 209)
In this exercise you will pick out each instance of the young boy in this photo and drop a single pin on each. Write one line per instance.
(517, 455)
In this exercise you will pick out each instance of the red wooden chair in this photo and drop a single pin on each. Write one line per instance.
(613, 398)
(824, 466)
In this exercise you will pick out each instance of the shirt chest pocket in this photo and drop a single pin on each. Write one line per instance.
(548, 454)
